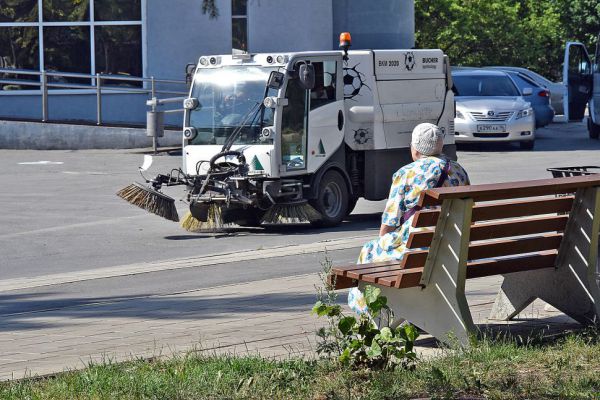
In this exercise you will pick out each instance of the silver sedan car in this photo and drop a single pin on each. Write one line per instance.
(489, 108)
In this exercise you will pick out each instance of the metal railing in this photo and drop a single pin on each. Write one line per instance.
(100, 83)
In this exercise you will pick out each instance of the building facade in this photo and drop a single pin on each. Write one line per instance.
(158, 38)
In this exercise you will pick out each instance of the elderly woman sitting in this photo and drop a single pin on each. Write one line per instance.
(430, 169)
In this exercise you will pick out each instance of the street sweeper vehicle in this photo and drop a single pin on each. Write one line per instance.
(301, 136)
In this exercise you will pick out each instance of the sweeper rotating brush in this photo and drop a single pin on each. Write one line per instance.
(291, 213)
(150, 200)
(214, 221)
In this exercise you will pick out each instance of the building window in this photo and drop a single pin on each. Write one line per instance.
(84, 36)
(239, 25)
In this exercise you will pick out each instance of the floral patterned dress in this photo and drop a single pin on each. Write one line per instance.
(408, 183)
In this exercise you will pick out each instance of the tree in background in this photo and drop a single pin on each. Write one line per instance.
(525, 33)
(581, 19)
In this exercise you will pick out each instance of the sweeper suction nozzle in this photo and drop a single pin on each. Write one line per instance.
(150, 200)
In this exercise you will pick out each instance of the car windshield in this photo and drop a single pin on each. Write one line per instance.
(226, 97)
(484, 85)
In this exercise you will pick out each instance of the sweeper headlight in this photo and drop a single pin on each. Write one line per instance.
(191, 103)
(267, 133)
(270, 102)
(189, 132)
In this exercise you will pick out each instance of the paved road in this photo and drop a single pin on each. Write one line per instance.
(62, 222)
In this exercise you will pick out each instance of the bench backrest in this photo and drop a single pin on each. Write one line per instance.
(511, 226)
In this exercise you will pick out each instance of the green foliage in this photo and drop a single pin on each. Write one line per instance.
(499, 368)
(358, 341)
(526, 33)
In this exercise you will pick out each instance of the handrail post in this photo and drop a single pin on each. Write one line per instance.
(153, 89)
(44, 96)
(154, 104)
(98, 100)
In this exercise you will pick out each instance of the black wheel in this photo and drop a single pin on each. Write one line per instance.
(351, 204)
(528, 145)
(593, 129)
(333, 198)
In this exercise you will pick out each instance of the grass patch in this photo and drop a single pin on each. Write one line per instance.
(566, 368)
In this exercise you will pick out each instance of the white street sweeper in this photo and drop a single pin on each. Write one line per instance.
(301, 136)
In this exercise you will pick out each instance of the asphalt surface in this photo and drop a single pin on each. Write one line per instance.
(59, 214)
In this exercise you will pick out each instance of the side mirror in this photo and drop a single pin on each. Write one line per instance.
(306, 73)
(527, 91)
(189, 73)
(275, 80)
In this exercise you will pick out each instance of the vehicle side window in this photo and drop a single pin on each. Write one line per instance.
(528, 81)
(324, 90)
(578, 62)
(294, 123)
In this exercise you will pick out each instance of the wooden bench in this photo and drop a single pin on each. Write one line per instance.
(545, 245)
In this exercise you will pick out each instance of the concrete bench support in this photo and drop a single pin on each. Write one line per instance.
(440, 307)
(571, 287)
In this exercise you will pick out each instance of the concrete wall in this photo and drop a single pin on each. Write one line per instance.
(178, 33)
(40, 136)
(375, 24)
(291, 25)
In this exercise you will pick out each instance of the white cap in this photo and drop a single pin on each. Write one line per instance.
(427, 139)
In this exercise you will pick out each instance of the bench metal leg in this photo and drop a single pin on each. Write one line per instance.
(571, 287)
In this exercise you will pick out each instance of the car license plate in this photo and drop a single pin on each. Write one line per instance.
(491, 128)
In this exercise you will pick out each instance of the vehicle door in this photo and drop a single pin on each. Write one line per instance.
(594, 106)
(577, 78)
(312, 121)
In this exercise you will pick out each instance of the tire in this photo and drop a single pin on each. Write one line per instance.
(593, 129)
(351, 204)
(528, 145)
(332, 199)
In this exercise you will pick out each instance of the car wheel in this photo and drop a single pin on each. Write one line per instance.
(593, 129)
(528, 145)
(332, 200)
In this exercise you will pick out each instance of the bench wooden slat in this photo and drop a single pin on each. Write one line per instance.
(374, 277)
(509, 190)
(499, 229)
(485, 212)
(479, 269)
(345, 269)
(404, 278)
(509, 247)
(360, 273)
(498, 248)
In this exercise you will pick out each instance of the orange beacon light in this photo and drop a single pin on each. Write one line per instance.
(345, 43)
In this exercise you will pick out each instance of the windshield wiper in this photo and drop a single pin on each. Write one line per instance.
(246, 121)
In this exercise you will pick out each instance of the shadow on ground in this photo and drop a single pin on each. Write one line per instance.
(170, 307)
(354, 222)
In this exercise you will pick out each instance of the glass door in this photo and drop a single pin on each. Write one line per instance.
(294, 127)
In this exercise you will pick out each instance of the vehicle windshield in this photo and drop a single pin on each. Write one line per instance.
(484, 85)
(226, 96)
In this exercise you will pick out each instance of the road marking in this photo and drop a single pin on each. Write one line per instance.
(41, 163)
(182, 263)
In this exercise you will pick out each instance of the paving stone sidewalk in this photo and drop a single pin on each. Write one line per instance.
(270, 317)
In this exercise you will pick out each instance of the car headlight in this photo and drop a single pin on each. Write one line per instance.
(459, 115)
(525, 113)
